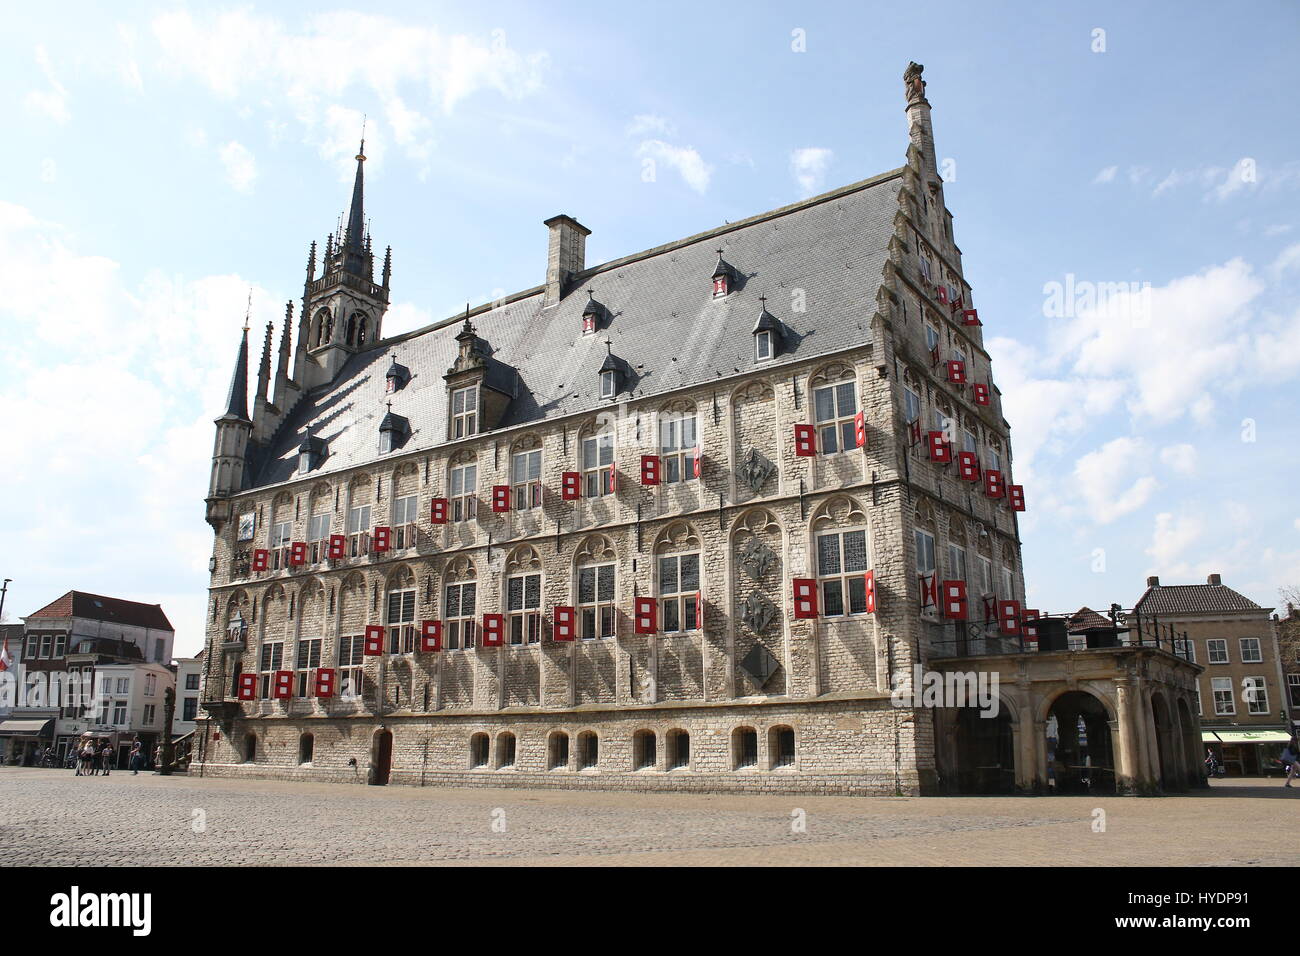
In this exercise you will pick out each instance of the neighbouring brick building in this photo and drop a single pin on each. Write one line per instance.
(674, 521)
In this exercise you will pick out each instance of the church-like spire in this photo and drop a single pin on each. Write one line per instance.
(237, 401)
(354, 239)
(264, 369)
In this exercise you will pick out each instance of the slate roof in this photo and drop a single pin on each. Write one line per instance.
(661, 318)
(1175, 599)
(1086, 619)
(97, 607)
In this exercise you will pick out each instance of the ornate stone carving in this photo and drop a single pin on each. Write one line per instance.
(756, 469)
(756, 558)
(913, 85)
(758, 612)
(759, 664)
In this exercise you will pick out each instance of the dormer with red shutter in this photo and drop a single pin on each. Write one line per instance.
(593, 315)
(724, 278)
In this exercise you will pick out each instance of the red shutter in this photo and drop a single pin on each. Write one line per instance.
(494, 630)
(699, 610)
(649, 469)
(940, 450)
(298, 553)
(990, 608)
(929, 586)
(954, 600)
(943, 294)
(860, 428)
(613, 480)
(430, 636)
(870, 578)
(374, 640)
(993, 486)
(382, 540)
(981, 393)
(562, 623)
(805, 441)
(1009, 617)
(338, 546)
(570, 486)
(1026, 616)
(260, 558)
(970, 317)
(934, 355)
(957, 372)
(282, 685)
(968, 466)
(805, 598)
(500, 498)
(646, 613)
(438, 511)
(247, 687)
(697, 462)
(914, 431)
(1016, 495)
(720, 285)
(325, 682)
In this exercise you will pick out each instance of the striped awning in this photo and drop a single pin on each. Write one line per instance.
(42, 727)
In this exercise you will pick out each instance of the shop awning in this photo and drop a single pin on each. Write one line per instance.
(43, 727)
(1246, 736)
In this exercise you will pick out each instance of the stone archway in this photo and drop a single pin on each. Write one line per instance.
(1190, 740)
(1080, 752)
(984, 751)
(1166, 769)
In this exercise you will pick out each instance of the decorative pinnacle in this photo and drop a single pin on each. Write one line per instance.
(248, 310)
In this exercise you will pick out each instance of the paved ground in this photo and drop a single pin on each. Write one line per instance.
(51, 817)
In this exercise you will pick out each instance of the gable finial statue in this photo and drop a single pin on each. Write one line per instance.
(912, 82)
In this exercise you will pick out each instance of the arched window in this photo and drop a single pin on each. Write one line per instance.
(557, 751)
(780, 744)
(350, 333)
(306, 748)
(678, 560)
(363, 331)
(505, 749)
(677, 443)
(644, 754)
(524, 596)
(323, 328)
(596, 573)
(744, 747)
(400, 616)
(478, 750)
(588, 750)
(598, 463)
(462, 485)
(835, 404)
(459, 603)
(843, 557)
(679, 749)
(250, 748)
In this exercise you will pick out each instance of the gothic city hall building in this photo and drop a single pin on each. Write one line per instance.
(685, 520)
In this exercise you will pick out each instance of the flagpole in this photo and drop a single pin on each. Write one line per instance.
(4, 589)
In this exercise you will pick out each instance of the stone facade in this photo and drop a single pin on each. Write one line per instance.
(814, 692)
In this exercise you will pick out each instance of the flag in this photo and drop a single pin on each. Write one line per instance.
(6, 661)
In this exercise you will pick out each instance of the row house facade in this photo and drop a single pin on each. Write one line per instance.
(682, 520)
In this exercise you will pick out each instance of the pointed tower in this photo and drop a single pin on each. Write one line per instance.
(343, 310)
(230, 453)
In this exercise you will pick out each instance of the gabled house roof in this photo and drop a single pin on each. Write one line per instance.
(97, 607)
(1167, 600)
(1086, 619)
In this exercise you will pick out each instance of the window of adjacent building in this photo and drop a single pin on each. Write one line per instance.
(150, 685)
(523, 605)
(150, 712)
(1250, 650)
(956, 562)
(307, 663)
(1293, 688)
(401, 621)
(679, 587)
(33, 647)
(190, 708)
(677, 447)
(911, 405)
(464, 503)
(1217, 648)
(1255, 694)
(597, 463)
(526, 479)
(1185, 649)
(318, 531)
(841, 566)
(192, 681)
(404, 516)
(608, 384)
(358, 529)
(464, 412)
(835, 407)
(596, 601)
(1224, 705)
(458, 615)
(272, 660)
(123, 684)
(352, 650)
(762, 346)
(47, 645)
(60, 644)
(119, 713)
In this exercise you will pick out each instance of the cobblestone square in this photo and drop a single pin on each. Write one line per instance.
(50, 817)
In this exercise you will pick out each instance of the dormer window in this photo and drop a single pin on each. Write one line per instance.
(591, 315)
(311, 452)
(767, 334)
(762, 346)
(613, 373)
(393, 431)
(396, 377)
(464, 412)
(720, 286)
(722, 277)
(608, 383)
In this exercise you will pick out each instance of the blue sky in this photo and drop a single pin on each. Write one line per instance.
(162, 159)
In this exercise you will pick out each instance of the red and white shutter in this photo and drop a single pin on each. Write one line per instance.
(860, 428)
(570, 486)
(993, 486)
(494, 630)
(928, 584)
(720, 285)
(968, 466)
(981, 393)
(282, 685)
(805, 597)
(954, 600)
(990, 608)
(1027, 617)
(914, 431)
(1016, 495)
(338, 547)
(374, 645)
(699, 610)
(247, 687)
(261, 557)
(870, 578)
(382, 539)
(613, 480)
(805, 441)
(325, 682)
(500, 498)
(438, 511)
(649, 469)
(943, 294)
(430, 636)
(697, 462)
(1009, 617)
(934, 355)
(298, 553)
(645, 612)
(970, 317)
(940, 450)
(957, 372)
(562, 623)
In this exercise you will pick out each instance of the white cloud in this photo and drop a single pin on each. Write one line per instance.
(53, 102)
(645, 124)
(241, 168)
(688, 163)
(1106, 175)
(1179, 458)
(1171, 540)
(808, 167)
(1112, 480)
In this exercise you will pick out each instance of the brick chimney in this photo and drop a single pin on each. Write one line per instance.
(1153, 582)
(565, 256)
(1214, 579)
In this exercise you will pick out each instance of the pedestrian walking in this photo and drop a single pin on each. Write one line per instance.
(87, 768)
(1291, 760)
(137, 757)
(106, 757)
